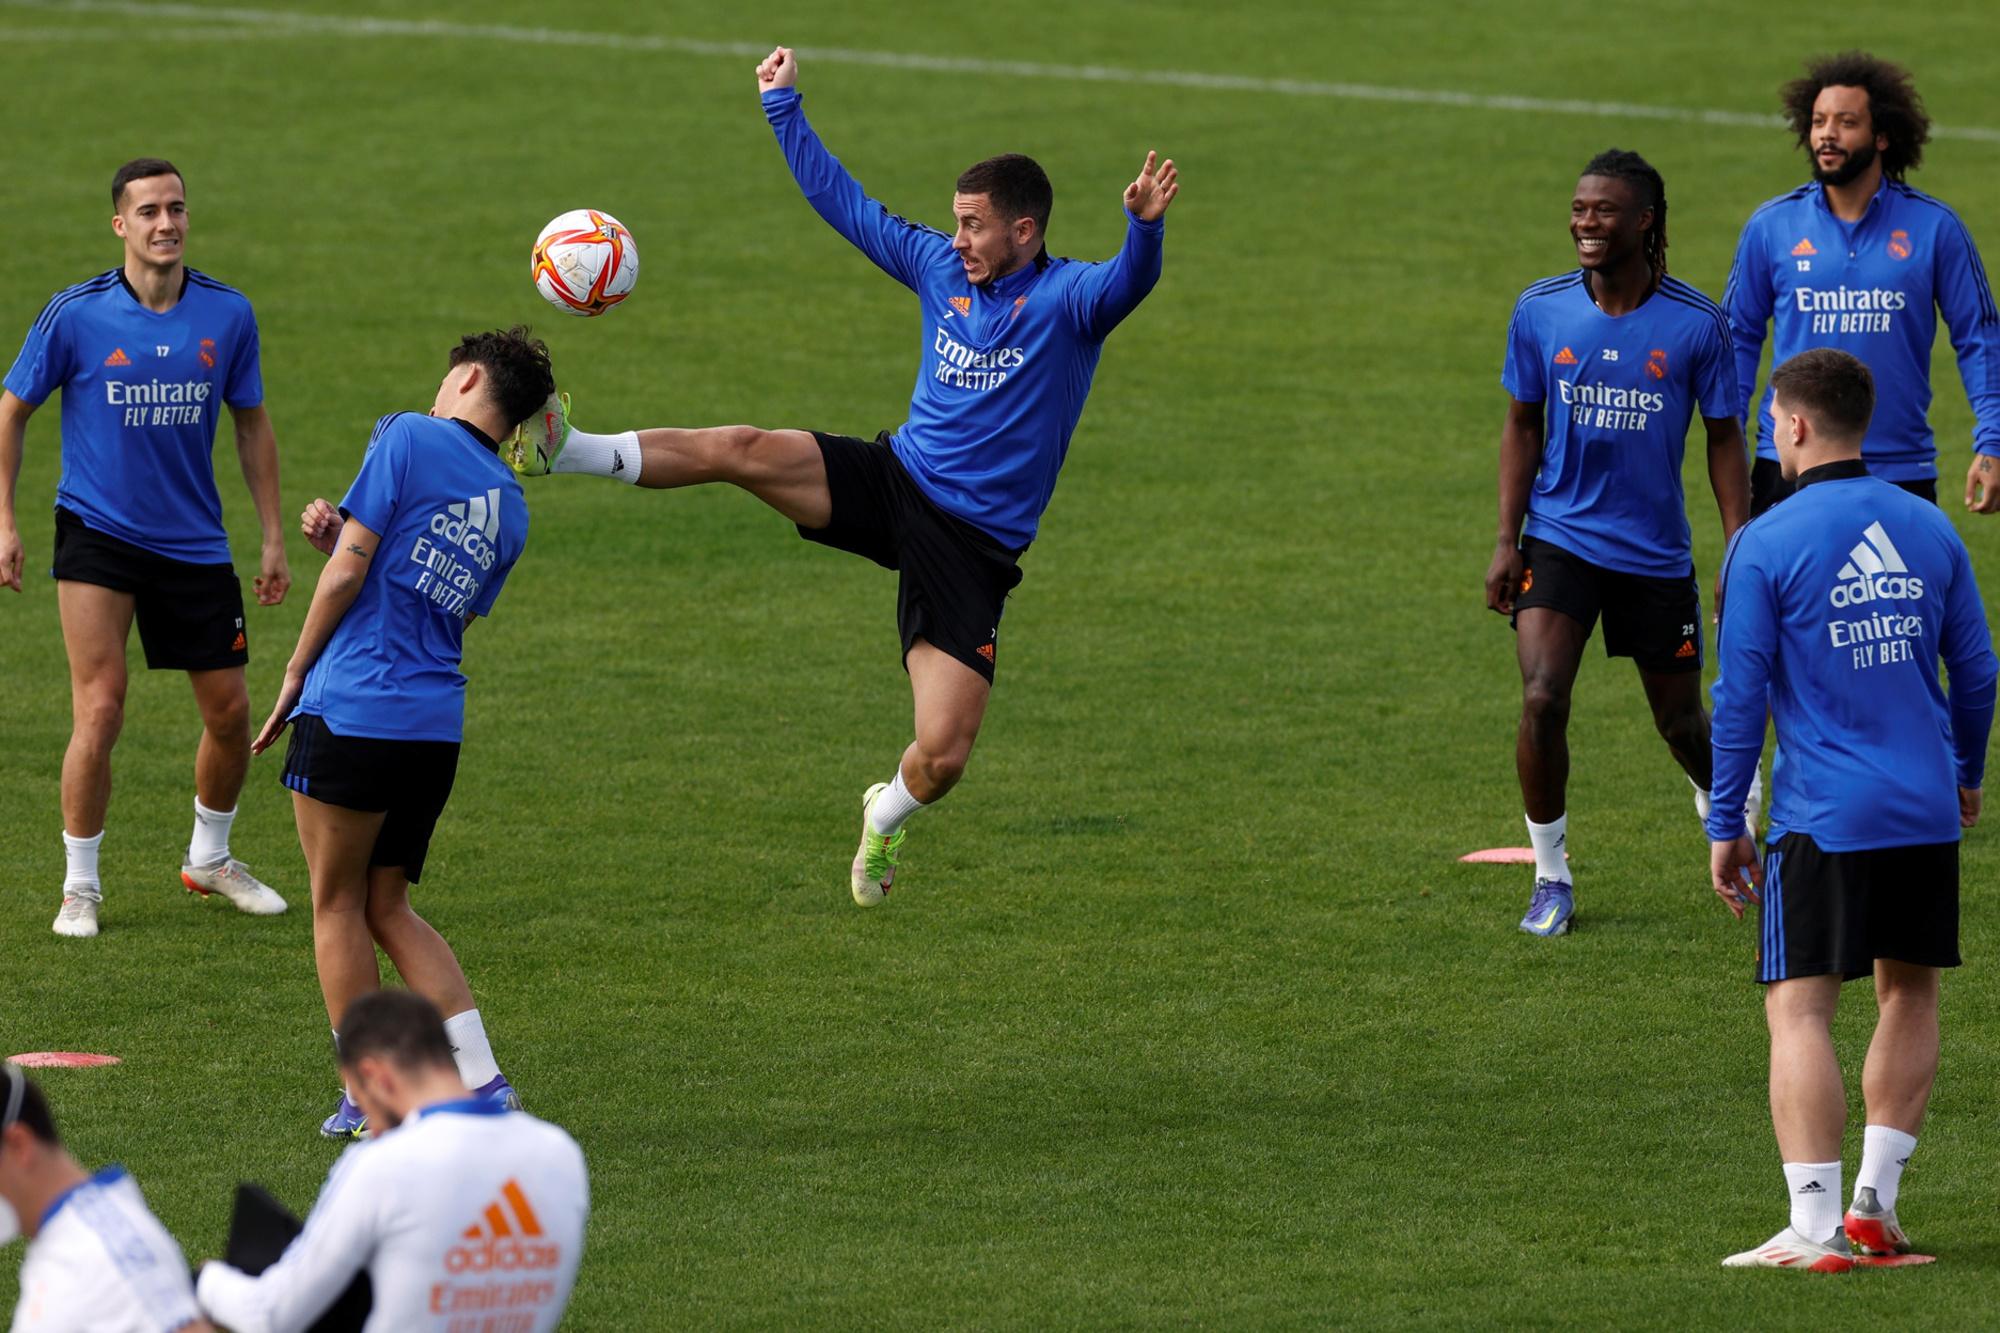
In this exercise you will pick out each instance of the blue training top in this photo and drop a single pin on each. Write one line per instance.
(1873, 288)
(1620, 393)
(452, 522)
(1836, 607)
(1005, 367)
(142, 393)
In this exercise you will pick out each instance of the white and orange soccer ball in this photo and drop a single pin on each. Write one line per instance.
(585, 262)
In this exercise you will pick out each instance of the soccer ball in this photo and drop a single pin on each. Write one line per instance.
(585, 262)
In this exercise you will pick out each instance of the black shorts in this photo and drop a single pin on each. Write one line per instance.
(1656, 622)
(1768, 486)
(953, 579)
(1837, 912)
(411, 780)
(190, 616)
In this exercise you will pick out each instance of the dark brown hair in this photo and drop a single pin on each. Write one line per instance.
(517, 368)
(397, 1026)
(138, 169)
(1017, 185)
(1830, 388)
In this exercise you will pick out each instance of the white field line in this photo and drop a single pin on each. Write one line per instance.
(284, 23)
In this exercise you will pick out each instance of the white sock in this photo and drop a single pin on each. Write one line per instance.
(470, 1049)
(893, 808)
(1815, 1191)
(210, 842)
(601, 455)
(1884, 1154)
(1550, 840)
(81, 856)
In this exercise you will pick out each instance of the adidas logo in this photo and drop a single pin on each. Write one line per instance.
(1565, 357)
(617, 461)
(1804, 250)
(1687, 648)
(473, 525)
(506, 1238)
(962, 304)
(1812, 1187)
(118, 358)
(1874, 571)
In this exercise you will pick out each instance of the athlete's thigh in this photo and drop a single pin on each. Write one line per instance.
(1671, 694)
(96, 623)
(1549, 645)
(950, 696)
(336, 842)
(220, 694)
(784, 469)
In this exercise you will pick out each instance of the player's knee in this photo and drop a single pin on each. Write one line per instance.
(228, 720)
(1544, 705)
(731, 453)
(944, 764)
(99, 717)
(1683, 730)
(385, 915)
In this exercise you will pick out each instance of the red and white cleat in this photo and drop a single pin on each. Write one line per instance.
(1872, 1228)
(1788, 1249)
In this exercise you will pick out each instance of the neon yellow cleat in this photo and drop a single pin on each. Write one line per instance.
(875, 861)
(537, 442)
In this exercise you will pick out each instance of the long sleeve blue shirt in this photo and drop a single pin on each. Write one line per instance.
(1875, 288)
(1005, 367)
(1837, 606)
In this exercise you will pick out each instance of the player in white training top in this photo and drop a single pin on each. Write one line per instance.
(98, 1261)
(464, 1214)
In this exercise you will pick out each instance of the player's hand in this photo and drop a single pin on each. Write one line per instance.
(11, 558)
(1982, 485)
(288, 699)
(320, 522)
(1503, 579)
(1147, 197)
(780, 69)
(1968, 806)
(274, 580)
(1736, 872)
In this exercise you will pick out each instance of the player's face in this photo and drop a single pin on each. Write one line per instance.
(1606, 222)
(153, 219)
(1843, 141)
(988, 246)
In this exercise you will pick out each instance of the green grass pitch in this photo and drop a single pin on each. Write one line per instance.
(1183, 1012)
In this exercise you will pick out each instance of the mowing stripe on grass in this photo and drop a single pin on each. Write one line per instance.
(280, 24)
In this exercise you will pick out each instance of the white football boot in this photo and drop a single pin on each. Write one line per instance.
(233, 880)
(78, 917)
(1788, 1249)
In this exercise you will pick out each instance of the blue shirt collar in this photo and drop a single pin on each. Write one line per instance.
(1819, 198)
(109, 1175)
(464, 1106)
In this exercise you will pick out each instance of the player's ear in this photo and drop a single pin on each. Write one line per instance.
(1024, 230)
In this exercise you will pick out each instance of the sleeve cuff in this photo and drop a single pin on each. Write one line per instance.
(1157, 224)
(777, 101)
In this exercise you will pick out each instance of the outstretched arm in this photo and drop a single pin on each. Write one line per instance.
(339, 584)
(897, 246)
(1108, 292)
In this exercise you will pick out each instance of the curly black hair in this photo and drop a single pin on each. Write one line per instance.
(1893, 104)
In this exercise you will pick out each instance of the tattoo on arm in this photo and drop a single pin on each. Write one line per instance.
(356, 548)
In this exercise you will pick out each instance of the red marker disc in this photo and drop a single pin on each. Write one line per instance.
(62, 1060)
(1503, 856)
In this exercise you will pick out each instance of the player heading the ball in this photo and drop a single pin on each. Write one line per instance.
(1009, 338)
(373, 692)
(1606, 365)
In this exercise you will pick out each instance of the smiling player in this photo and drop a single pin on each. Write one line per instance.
(145, 356)
(950, 499)
(1857, 259)
(1606, 365)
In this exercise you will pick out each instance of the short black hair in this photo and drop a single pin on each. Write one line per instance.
(1637, 172)
(395, 1025)
(33, 1111)
(1893, 105)
(1831, 388)
(519, 377)
(1016, 184)
(138, 169)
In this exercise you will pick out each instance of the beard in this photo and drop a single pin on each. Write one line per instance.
(1849, 169)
